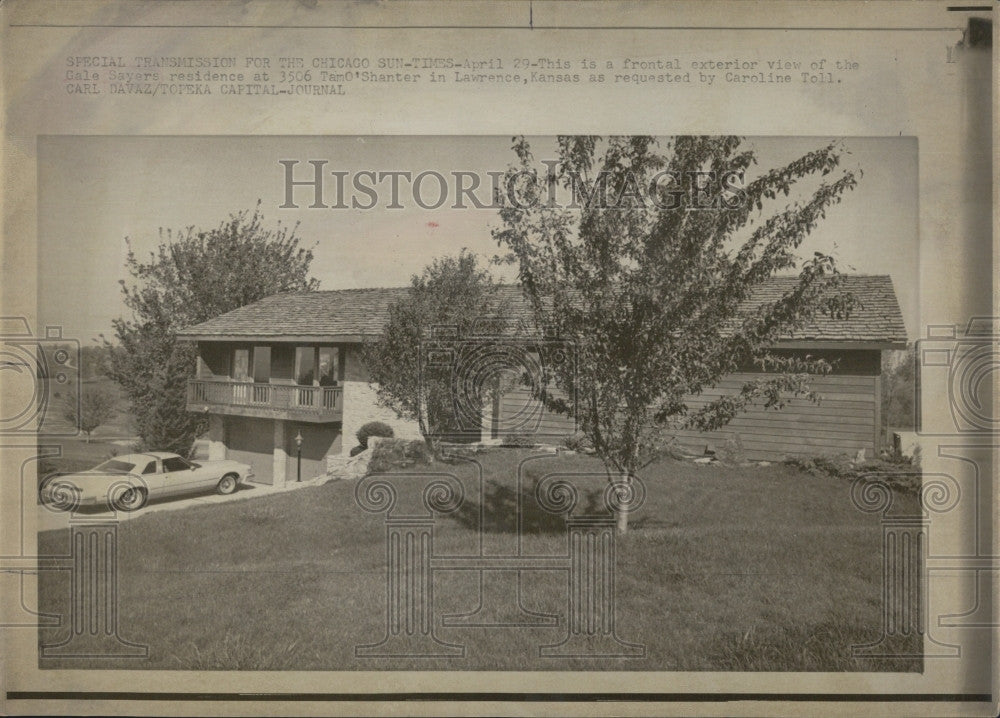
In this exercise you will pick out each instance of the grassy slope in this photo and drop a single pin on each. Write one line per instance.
(749, 568)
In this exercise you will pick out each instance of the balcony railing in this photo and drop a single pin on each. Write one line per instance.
(317, 403)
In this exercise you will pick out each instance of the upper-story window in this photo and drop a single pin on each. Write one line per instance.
(316, 365)
(261, 364)
(241, 365)
(285, 363)
(327, 366)
(305, 365)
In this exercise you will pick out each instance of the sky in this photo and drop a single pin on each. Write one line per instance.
(96, 191)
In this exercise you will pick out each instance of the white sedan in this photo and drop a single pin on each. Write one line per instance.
(127, 482)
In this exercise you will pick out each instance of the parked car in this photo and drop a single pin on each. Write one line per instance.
(127, 482)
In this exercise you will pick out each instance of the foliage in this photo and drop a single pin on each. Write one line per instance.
(356, 450)
(96, 407)
(518, 440)
(577, 441)
(398, 453)
(94, 361)
(192, 276)
(899, 472)
(373, 428)
(451, 292)
(652, 290)
(899, 389)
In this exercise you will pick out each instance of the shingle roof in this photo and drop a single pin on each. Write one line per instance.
(336, 312)
(874, 318)
(356, 312)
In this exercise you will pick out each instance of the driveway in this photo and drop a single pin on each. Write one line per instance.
(49, 520)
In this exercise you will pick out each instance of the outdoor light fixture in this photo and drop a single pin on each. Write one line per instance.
(298, 451)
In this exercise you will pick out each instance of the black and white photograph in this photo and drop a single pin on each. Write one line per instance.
(485, 403)
(498, 357)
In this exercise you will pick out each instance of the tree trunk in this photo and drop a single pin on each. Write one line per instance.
(623, 510)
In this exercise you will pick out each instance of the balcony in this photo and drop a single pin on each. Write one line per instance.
(316, 404)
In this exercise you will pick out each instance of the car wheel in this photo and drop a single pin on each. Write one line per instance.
(60, 495)
(227, 484)
(131, 498)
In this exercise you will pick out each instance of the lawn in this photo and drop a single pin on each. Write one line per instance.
(759, 568)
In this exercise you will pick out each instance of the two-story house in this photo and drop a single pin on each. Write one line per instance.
(290, 367)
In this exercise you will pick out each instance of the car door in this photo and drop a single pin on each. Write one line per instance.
(152, 477)
(204, 478)
(179, 478)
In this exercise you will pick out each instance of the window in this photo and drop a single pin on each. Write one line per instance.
(175, 463)
(241, 364)
(327, 366)
(305, 369)
(150, 467)
(262, 365)
(115, 466)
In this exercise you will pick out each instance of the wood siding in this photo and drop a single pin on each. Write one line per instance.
(845, 420)
(520, 413)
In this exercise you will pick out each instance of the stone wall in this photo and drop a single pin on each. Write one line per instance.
(361, 404)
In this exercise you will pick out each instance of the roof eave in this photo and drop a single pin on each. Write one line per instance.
(872, 344)
(276, 338)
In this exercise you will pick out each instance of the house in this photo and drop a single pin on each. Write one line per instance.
(290, 367)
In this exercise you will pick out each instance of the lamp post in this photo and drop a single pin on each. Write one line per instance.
(298, 453)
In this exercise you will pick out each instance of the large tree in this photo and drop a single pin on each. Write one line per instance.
(646, 263)
(192, 276)
(452, 293)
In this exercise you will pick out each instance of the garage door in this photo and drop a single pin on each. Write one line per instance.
(251, 441)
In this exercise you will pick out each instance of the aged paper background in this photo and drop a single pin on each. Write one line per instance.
(916, 76)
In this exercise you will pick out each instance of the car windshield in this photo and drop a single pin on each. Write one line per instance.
(115, 465)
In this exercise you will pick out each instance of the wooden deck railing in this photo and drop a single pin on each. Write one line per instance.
(321, 400)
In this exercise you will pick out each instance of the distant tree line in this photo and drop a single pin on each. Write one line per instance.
(900, 382)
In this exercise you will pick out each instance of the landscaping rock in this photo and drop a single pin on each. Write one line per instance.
(349, 467)
(732, 451)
